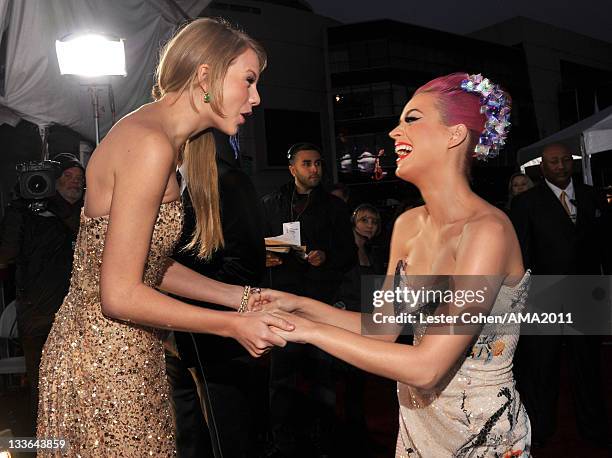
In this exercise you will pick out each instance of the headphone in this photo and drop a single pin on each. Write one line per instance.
(370, 208)
(297, 147)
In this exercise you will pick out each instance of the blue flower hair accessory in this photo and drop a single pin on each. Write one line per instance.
(496, 105)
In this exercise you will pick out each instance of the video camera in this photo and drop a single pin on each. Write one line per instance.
(37, 182)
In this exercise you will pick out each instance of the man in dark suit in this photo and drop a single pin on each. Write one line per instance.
(559, 226)
(230, 371)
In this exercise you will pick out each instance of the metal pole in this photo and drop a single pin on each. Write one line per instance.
(93, 90)
(111, 101)
(586, 163)
(44, 138)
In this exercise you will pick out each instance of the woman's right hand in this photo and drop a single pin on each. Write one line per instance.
(273, 260)
(271, 299)
(252, 331)
(303, 331)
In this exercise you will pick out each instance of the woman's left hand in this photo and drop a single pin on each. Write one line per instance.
(254, 302)
(270, 300)
(303, 331)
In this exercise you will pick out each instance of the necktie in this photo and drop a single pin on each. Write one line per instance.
(563, 199)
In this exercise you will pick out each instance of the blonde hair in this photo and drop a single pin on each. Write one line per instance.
(216, 43)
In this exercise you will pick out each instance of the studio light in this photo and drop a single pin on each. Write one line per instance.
(91, 55)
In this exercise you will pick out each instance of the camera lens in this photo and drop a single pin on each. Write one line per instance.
(37, 184)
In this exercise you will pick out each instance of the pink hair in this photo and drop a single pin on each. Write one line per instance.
(456, 105)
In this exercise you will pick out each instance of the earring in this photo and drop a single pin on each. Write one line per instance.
(206, 97)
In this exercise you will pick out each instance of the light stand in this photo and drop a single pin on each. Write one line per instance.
(93, 56)
(93, 90)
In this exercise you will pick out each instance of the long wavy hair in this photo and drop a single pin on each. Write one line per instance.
(216, 43)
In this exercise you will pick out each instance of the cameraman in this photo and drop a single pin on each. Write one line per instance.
(41, 244)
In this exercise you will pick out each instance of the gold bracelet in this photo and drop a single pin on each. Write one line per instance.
(245, 299)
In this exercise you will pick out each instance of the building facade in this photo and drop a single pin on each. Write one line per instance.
(375, 67)
(570, 74)
(295, 105)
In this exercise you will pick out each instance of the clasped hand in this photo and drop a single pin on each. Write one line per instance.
(267, 322)
(286, 307)
(255, 331)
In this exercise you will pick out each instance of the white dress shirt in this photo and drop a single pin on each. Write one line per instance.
(183, 171)
(569, 199)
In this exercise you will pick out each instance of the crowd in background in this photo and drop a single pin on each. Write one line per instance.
(344, 233)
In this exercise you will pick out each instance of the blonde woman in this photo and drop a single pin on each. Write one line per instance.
(102, 378)
(517, 184)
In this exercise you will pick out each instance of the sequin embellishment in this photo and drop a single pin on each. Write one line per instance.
(103, 383)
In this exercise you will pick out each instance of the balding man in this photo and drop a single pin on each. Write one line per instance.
(559, 226)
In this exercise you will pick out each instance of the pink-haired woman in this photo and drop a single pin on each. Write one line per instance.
(455, 386)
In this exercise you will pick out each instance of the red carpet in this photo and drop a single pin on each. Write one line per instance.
(381, 414)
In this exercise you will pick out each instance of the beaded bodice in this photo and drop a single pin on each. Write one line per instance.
(475, 410)
(90, 246)
(103, 383)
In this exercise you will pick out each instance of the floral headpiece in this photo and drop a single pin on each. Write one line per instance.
(496, 105)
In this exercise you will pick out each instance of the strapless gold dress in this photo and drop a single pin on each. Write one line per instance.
(103, 384)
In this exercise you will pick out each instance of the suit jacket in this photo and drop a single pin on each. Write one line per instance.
(551, 244)
(240, 262)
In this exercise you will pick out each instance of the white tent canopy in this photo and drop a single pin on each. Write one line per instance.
(34, 89)
(589, 136)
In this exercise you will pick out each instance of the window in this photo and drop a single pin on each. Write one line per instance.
(369, 100)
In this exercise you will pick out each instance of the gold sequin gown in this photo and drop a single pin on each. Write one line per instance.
(103, 383)
(476, 411)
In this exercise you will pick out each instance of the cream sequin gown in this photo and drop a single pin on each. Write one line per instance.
(476, 411)
(103, 382)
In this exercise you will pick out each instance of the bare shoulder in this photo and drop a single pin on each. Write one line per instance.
(136, 149)
(489, 222)
(137, 135)
(488, 228)
(411, 221)
(133, 142)
(488, 244)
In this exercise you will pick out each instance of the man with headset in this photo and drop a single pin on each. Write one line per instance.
(326, 232)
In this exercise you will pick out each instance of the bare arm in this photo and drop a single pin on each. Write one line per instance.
(140, 180)
(403, 363)
(352, 321)
(243, 252)
(482, 251)
(185, 282)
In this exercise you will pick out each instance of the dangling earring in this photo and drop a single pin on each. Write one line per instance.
(206, 97)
